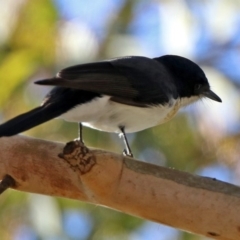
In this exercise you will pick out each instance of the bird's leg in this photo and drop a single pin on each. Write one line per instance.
(127, 151)
(80, 132)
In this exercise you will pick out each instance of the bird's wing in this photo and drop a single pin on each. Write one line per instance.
(126, 80)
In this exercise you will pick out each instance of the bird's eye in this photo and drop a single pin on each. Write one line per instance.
(198, 86)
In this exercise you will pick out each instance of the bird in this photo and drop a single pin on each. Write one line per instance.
(121, 95)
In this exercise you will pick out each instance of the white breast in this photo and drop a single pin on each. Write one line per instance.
(105, 115)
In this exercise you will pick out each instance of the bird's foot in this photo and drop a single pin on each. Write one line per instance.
(127, 154)
(79, 140)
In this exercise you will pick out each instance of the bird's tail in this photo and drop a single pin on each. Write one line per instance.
(28, 120)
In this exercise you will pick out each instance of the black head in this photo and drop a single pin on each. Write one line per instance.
(188, 77)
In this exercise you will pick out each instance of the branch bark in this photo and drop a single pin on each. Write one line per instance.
(200, 205)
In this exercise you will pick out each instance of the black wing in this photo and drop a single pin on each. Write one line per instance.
(136, 81)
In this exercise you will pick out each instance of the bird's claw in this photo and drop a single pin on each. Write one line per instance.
(78, 140)
(127, 154)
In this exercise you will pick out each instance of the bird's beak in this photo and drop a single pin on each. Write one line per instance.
(210, 94)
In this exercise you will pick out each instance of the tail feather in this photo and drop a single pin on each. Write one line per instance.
(29, 120)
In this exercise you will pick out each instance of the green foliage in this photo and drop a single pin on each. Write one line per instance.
(32, 45)
(36, 30)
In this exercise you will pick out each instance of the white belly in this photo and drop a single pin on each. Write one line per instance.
(105, 115)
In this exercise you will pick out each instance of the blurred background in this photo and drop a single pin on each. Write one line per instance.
(38, 38)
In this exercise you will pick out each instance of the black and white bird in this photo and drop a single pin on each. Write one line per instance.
(121, 95)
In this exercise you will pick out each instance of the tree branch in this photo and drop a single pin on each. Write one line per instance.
(200, 205)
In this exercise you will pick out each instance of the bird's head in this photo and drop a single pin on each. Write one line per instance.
(188, 77)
